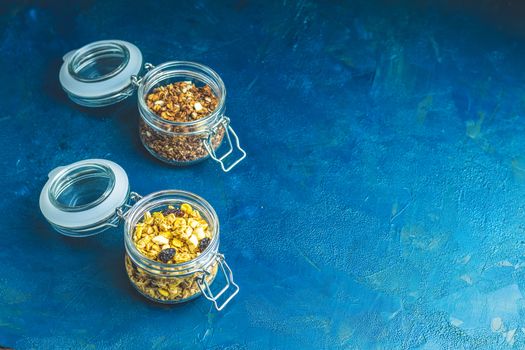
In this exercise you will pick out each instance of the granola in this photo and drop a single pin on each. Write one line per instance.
(178, 148)
(166, 288)
(170, 236)
(180, 102)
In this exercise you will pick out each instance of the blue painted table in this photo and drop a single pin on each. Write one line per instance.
(381, 204)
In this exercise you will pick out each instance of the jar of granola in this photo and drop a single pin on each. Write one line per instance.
(187, 141)
(181, 104)
(91, 196)
(178, 282)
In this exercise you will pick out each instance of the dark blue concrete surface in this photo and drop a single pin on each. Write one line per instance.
(381, 204)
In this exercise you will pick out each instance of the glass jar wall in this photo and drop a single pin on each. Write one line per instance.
(183, 143)
(171, 283)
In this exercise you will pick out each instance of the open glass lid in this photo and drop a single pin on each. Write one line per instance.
(100, 73)
(83, 198)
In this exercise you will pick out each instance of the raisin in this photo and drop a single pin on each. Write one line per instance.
(178, 213)
(167, 254)
(205, 242)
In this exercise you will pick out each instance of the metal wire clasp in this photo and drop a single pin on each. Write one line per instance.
(136, 79)
(228, 130)
(122, 211)
(228, 276)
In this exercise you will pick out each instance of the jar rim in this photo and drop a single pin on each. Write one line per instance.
(205, 72)
(112, 85)
(154, 200)
(91, 53)
(74, 175)
(78, 215)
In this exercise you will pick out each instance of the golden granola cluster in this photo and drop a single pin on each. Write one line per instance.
(182, 101)
(173, 235)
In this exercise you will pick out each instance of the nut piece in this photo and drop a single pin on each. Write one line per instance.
(160, 240)
(193, 241)
(199, 232)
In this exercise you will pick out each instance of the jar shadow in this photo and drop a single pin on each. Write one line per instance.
(51, 85)
(101, 248)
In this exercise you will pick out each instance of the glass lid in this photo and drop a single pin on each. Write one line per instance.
(82, 198)
(99, 74)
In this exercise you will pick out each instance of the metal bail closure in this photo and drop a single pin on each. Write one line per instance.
(228, 276)
(228, 130)
(86, 197)
(99, 74)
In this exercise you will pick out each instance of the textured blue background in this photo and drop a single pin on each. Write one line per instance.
(381, 204)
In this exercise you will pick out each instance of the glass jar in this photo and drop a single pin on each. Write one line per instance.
(91, 196)
(189, 142)
(106, 72)
(174, 283)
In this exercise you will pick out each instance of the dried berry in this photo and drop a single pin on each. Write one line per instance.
(178, 213)
(167, 254)
(204, 243)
